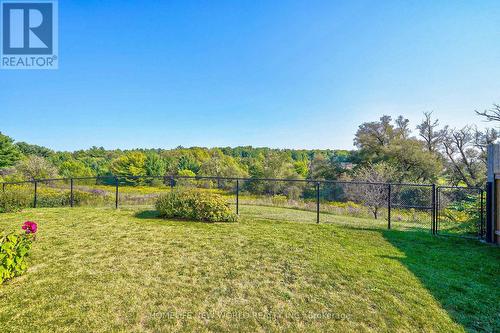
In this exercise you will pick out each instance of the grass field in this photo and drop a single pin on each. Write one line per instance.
(452, 221)
(100, 269)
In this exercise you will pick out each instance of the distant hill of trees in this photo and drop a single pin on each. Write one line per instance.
(386, 149)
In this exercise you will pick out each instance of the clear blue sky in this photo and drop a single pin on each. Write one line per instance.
(296, 74)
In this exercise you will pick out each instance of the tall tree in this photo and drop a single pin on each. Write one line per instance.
(302, 167)
(29, 149)
(413, 161)
(402, 129)
(484, 138)
(463, 159)
(220, 165)
(75, 168)
(372, 137)
(382, 141)
(272, 164)
(154, 165)
(428, 131)
(324, 168)
(130, 164)
(9, 153)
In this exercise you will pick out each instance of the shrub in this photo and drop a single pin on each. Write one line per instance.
(56, 198)
(47, 197)
(293, 192)
(15, 199)
(93, 197)
(14, 248)
(279, 199)
(194, 204)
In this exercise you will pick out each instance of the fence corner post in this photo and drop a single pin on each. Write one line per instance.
(491, 211)
(389, 206)
(317, 202)
(481, 216)
(116, 192)
(172, 182)
(433, 213)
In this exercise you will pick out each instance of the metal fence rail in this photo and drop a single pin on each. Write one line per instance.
(440, 210)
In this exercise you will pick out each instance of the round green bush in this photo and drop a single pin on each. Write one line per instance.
(195, 204)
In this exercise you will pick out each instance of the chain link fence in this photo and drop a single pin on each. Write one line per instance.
(440, 210)
(460, 212)
(412, 206)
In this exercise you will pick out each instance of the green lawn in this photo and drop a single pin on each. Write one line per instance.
(100, 269)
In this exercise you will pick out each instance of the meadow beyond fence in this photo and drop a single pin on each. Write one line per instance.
(440, 210)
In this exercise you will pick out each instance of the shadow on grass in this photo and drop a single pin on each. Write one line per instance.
(463, 275)
(148, 214)
(155, 215)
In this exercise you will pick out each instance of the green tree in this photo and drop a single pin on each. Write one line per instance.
(302, 167)
(100, 166)
(220, 165)
(186, 173)
(413, 161)
(272, 164)
(74, 168)
(130, 164)
(324, 168)
(29, 149)
(382, 141)
(59, 158)
(9, 153)
(372, 137)
(155, 165)
(187, 162)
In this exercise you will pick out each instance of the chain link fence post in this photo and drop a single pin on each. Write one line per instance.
(481, 216)
(71, 194)
(116, 192)
(389, 206)
(317, 202)
(433, 213)
(237, 197)
(35, 196)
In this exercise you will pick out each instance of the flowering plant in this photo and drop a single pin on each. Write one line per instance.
(14, 249)
(30, 227)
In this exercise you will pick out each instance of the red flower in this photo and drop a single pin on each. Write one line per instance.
(30, 227)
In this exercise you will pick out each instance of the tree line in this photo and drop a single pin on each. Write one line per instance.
(387, 150)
